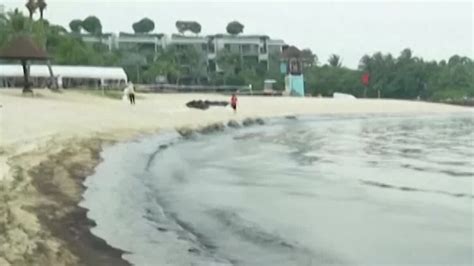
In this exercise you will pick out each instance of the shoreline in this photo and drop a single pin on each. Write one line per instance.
(71, 225)
(49, 223)
(45, 158)
(55, 184)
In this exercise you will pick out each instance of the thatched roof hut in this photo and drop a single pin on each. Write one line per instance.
(291, 52)
(23, 48)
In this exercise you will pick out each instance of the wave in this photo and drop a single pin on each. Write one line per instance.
(413, 189)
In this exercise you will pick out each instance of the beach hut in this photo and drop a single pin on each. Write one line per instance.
(24, 49)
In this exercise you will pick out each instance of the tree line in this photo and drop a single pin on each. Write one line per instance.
(92, 25)
(391, 76)
(403, 77)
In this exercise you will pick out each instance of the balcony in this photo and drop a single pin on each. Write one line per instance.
(250, 50)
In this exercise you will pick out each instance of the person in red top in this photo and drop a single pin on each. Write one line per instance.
(233, 102)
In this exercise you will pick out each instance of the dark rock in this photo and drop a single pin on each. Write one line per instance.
(185, 132)
(212, 128)
(291, 117)
(233, 124)
(204, 105)
(197, 105)
(248, 122)
(259, 121)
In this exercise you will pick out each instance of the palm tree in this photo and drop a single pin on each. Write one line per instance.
(335, 60)
(365, 63)
(31, 5)
(42, 6)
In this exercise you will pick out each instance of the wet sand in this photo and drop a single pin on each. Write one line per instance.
(43, 224)
(49, 144)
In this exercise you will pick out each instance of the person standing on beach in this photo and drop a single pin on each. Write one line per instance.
(130, 93)
(233, 102)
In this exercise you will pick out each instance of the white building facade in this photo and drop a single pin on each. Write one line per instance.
(248, 46)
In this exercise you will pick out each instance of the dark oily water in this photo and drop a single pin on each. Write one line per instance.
(339, 190)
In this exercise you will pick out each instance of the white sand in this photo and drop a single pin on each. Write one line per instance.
(27, 122)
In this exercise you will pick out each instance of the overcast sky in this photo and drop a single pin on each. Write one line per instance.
(433, 30)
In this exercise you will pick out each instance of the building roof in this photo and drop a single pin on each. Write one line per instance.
(238, 36)
(128, 34)
(177, 38)
(291, 52)
(275, 42)
(23, 48)
(90, 35)
(191, 37)
(86, 72)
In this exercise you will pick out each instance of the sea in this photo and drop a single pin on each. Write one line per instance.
(311, 190)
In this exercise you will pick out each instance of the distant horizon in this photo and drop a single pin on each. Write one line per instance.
(443, 29)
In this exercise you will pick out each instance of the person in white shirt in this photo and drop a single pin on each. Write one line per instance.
(129, 92)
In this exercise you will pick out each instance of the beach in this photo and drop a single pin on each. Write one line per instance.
(49, 144)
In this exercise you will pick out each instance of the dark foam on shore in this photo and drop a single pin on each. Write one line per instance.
(58, 181)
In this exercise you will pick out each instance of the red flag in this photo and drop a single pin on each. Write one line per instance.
(365, 79)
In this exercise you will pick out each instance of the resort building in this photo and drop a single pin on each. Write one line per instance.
(251, 48)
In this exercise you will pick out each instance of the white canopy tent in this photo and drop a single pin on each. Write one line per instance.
(103, 75)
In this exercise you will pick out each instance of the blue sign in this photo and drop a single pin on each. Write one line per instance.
(283, 68)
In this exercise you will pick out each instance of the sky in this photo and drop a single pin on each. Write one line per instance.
(350, 29)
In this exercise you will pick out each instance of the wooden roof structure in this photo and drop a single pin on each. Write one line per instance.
(23, 48)
(291, 52)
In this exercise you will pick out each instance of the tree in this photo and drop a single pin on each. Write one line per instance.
(18, 22)
(335, 60)
(162, 67)
(181, 26)
(192, 64)
(365, 63)
(31, 5)
(70, 51)
(229, 63)
(75, 25)
(195, 27)
(42, 6)
(235, 28)
(405, 55)
(192, 26)
(309, 59)
(54, 37)
(11, 24)
(92, 25)
(145, 25)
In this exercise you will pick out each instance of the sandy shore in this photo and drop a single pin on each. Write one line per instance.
(49, 144)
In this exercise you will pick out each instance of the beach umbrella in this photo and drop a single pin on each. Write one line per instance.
(24, 49)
